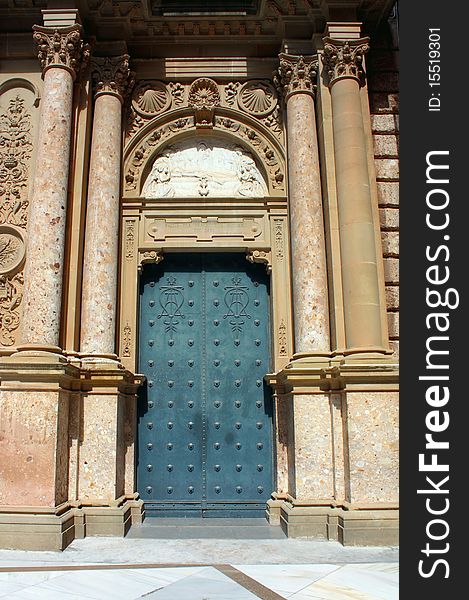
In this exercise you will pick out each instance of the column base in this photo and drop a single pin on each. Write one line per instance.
(39, 528)
(356, 527)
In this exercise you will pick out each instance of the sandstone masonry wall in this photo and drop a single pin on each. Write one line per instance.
(383, 88)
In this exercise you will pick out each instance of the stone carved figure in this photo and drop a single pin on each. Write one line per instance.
(198, 167)
(250, 181)
(158, 184)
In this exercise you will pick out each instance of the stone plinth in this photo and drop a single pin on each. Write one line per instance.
(343, 451)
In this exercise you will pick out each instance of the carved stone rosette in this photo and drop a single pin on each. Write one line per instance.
(296, 74)
(61, 47)
(111, 75)
(344, 59)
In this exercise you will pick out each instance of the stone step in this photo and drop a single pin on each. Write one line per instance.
(179, 529)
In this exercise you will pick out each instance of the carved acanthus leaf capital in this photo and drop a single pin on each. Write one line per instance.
(61, 47)
(296, 74)
(111, 75)
(344, 59)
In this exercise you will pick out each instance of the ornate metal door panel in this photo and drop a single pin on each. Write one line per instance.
(205, 430)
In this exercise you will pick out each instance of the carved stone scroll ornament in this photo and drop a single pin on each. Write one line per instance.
(204, 96)
(344, 59)
(15, 156)
(263, 257)
(149, 257)
(296, 74)
(62, 47)
(111, 75)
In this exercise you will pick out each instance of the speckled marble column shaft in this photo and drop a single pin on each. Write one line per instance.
(310, 295)
(357, 235)
(42, 300)
(102, 227)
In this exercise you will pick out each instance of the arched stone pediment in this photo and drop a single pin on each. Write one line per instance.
(237, 125)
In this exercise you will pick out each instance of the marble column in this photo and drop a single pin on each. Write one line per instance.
(296, 78)
(61, 52)
(343, 61)
(99, 305)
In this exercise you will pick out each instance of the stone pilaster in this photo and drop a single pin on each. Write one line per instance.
(61, 53)
(363, 305)
(296, 78)
(110, 77)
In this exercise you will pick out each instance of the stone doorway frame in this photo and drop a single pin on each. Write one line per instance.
(257, 227)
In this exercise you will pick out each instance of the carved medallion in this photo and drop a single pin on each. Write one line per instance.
(151, 98)
(12, 249)
(257, 98)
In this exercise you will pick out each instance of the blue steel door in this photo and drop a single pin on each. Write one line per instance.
(205, 413)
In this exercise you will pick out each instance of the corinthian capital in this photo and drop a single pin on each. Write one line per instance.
(296, 75)
(344, 59)
(111, 75)
(61, 47)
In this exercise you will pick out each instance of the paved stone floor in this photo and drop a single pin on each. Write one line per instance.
(200, 569)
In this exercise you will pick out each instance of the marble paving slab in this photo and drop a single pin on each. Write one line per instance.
(365, 581)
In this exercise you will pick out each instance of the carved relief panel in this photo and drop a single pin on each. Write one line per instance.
(204, 167)
(249, 111)
(18, 115)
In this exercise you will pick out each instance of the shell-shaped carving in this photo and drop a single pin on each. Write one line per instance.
(151, 98)
(257, 98)
(204, 93)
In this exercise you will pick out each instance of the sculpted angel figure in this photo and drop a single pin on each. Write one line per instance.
(158, 185)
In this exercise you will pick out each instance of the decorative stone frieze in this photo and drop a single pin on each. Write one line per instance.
(15, 157)
(344, 59)
(296, 74)
(62, 47)
(255, 98)
(111, 75)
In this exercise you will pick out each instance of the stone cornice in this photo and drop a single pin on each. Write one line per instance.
(62, 47)
(296, 75)
(344, 59)
(111, 75)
